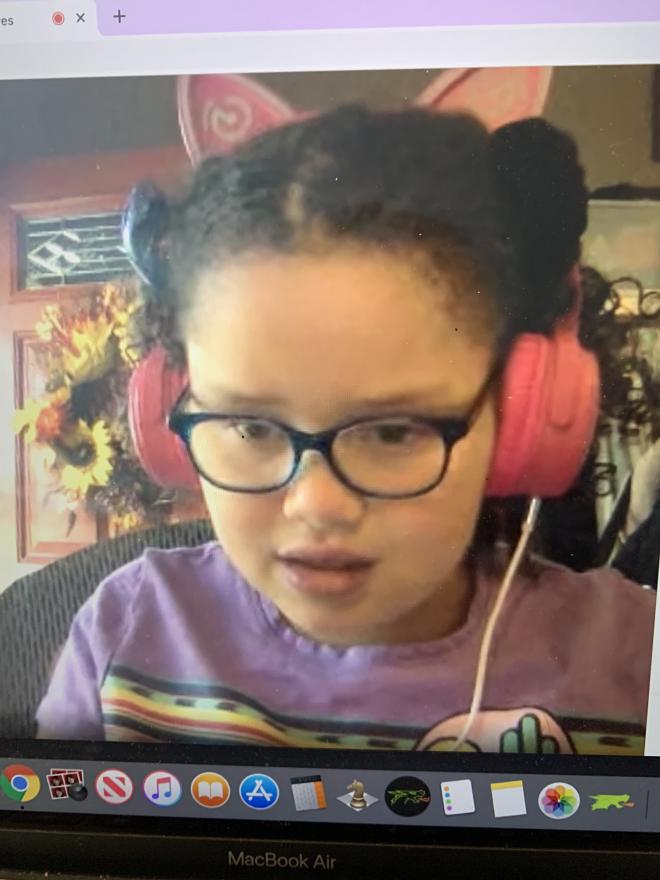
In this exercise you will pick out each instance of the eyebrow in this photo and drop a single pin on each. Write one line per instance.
(237, 399)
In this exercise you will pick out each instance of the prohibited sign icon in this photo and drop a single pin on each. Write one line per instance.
(114, 787)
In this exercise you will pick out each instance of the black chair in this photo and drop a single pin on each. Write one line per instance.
(36, 612)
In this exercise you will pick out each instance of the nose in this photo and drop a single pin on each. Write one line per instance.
(317, 496)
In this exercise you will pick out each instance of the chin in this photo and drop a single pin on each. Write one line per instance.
(340, 629)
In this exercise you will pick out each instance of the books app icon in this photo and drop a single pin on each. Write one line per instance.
(210, 790)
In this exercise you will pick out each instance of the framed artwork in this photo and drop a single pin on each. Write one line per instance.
(41, 518)
(59, 240)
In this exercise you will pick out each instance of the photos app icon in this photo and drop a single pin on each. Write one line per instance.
(559, 800)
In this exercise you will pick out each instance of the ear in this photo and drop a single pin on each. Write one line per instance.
(496, 95)
(218, 112)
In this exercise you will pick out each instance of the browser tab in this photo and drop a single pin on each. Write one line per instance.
(209, 16)
(36, 21)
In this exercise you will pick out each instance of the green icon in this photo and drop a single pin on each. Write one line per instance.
(407, 796)
(605, 801)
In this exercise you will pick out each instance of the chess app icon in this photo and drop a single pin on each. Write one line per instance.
(357, 798)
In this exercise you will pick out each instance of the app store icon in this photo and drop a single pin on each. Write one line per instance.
(258, 791)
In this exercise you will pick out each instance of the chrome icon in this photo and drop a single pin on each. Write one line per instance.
(20, 783)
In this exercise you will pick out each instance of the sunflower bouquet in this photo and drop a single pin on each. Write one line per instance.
(80, 422)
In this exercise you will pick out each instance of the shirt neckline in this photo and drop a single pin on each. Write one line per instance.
(268, 615)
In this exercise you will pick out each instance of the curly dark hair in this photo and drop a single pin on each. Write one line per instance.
(630, 391)
(504, 211)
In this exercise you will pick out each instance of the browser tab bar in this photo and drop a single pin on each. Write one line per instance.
(209, 16)
(60, 21)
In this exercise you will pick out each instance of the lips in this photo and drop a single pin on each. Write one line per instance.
(325, 558)
(325, 571)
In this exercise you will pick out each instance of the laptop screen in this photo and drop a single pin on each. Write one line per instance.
(330, 476)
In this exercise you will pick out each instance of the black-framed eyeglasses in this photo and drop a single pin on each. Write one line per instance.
(393, 456)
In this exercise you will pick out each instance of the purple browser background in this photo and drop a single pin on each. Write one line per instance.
(213, 16)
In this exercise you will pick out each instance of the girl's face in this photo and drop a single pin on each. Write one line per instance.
(325, 339)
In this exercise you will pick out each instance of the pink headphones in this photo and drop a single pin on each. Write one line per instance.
(549, 395)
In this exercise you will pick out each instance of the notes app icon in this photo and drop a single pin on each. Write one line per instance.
(162, 788)
(508, 799)
(210, 790)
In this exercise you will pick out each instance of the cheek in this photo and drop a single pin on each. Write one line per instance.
(444, 520)
(471, 457)
(242, 523)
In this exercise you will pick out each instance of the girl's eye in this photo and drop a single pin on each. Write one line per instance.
(392, 433)
(252, 429)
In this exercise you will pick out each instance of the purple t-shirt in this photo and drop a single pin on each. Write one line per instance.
(177, 646)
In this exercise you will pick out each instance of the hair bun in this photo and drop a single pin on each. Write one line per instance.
(542, 191)
(144, 227)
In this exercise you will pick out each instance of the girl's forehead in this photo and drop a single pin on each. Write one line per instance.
(346, 295)
(335, 326)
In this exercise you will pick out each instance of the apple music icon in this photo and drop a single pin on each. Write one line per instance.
(162, 788)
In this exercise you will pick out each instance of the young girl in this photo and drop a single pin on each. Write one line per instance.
(363, 277)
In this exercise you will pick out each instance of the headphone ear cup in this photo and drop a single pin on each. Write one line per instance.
(549, 407)
(153, 389)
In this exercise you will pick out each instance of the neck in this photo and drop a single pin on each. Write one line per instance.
(443, 613)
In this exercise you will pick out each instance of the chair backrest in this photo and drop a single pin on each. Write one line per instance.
(36, 612)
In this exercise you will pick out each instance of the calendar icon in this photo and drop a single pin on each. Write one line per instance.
(308, 793)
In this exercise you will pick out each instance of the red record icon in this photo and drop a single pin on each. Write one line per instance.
(58, 18)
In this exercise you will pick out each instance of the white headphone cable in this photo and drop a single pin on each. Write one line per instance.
(528, 526)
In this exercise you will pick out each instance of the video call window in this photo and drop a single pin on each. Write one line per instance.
(288, 357)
